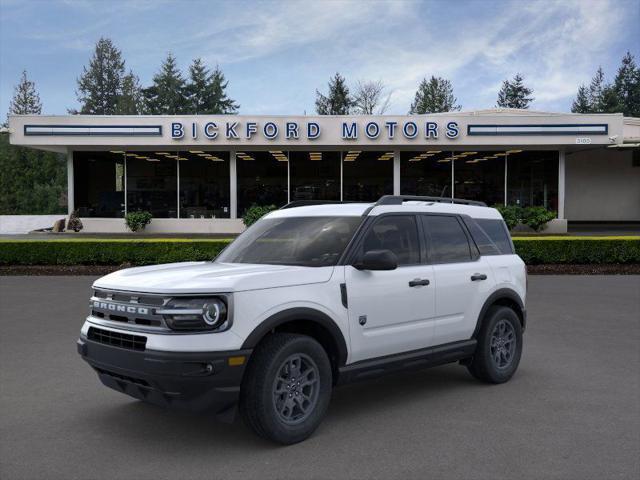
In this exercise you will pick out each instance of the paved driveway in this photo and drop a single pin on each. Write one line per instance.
(572, 410)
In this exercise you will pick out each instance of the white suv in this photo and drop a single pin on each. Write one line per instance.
(308, 298)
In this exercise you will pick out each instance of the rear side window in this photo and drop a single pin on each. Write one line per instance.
(497, 231)
(448, 242)
(486, 246)
(398, 233)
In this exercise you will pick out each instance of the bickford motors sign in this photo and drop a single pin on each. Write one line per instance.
(294, 130)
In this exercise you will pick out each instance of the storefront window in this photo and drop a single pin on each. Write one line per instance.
(99, 184)
(479, 175)
(315, 175)
(532, 179)
(366, 176)
(152, 183)
(204, 184)
(426, 172)
(262, 179)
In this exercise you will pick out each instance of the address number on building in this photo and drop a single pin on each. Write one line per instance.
(583, 141)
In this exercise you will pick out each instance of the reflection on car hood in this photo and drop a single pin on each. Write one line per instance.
(210, 277)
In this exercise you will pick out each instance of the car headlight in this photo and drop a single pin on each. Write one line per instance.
(196, 314)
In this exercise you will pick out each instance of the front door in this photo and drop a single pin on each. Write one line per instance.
(391, 311)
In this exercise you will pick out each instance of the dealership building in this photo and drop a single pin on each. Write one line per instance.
(200, 173)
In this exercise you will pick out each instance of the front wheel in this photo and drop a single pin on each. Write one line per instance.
(287, 388)
(499, 346)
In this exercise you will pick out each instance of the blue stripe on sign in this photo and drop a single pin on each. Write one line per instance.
(93, 130)
(532, 129)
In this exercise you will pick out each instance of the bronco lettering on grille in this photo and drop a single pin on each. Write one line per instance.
(114, 307)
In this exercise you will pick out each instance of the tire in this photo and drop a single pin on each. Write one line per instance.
(499, 346)
(273, 402)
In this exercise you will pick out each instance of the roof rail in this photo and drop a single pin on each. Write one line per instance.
(306, 203)
(399, 199)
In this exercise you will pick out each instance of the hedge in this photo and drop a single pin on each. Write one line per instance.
(533, 250)
(578, 250)
(107, 252)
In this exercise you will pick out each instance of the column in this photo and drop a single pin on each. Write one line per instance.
(396, 172)
(561, 176)
(70, 185)
(233, 185)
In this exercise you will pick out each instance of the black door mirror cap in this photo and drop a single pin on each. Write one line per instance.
(377, 260)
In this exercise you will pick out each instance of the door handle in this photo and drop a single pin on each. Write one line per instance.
(478, 276)
(418, 282)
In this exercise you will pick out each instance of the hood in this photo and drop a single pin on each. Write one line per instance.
(210, 277)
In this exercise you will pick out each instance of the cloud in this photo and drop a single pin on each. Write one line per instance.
(277, 53)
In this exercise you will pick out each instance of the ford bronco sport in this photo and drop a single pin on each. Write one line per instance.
(310, 297)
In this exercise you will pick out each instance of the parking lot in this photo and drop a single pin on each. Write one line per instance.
(571, 411)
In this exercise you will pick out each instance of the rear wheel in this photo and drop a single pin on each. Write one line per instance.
(499, 346)
(287, 388)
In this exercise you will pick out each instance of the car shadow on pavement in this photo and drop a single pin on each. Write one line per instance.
(150, 426)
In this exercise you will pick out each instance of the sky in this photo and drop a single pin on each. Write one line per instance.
(276, 54)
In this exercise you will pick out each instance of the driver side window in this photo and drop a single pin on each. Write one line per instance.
(397, 233)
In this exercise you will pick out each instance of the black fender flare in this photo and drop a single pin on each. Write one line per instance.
(500, 294)
(305, 314)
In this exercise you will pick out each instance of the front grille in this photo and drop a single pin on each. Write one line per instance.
(117, 339)
(134, 309)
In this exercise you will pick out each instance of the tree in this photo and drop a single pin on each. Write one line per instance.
(514, 94)
(100, 85)
(206, 92)
(370, 98)
(627, 86)
(338, 101)
(434, 95)
(130, 101)
(196, 89)
(581, 104)
(31, 181)
(218, 100)
(596, 91)
(167, 95)
(25, 99)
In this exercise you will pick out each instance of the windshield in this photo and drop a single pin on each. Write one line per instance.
(304, 241)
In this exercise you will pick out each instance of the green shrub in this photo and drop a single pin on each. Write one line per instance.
(534, 217)
(137, 220)
(537, 217)
(73, 251)
(255, 213)
(510, 213)
(578, 250)
(107, 252)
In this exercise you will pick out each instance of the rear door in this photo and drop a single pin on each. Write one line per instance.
(462, 277)
(391, 311)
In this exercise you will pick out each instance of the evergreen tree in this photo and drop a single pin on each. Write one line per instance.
(25, 99)
(196, 89)
(596, 91)
(31, 181)
(433, 96)
(581, 104)
(338, 101)
(627, 86)
(100, 85)
(218, 100)
(167, 95)
(514, 94)
(130, 101)
(206, 91)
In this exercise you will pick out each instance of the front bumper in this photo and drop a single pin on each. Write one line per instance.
(195, 381)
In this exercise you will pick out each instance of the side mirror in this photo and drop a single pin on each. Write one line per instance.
(377, 260)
